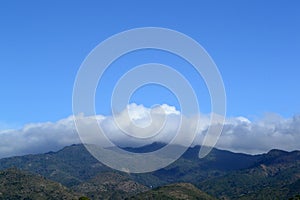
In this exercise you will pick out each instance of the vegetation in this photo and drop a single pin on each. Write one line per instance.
(297, 197)
(174, 191)
(274, 176)
(16, 184)
(84, 198)
(110, 185)
(222, 174)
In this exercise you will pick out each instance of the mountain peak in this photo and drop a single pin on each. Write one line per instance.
(277, 152)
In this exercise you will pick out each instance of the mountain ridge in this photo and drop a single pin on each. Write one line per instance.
(221, 174)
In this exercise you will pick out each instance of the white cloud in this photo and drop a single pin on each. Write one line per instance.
(239, 133)
(262, 135)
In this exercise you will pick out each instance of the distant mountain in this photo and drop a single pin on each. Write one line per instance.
(70, 166)
(145, 149)
(189, 168)
(73, 165)
(16, 184)
(222, 174)
(174, 191)
(276, 175)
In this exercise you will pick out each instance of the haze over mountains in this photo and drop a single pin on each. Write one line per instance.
(222, 175)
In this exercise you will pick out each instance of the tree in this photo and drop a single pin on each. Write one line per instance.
(84, 198)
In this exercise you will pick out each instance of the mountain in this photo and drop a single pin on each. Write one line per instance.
(276, 175)
(110, 185)
(189, 168)
(221, 174)
(173, 192)
(16, 184)
(74, 165)
(70, 166)
(146, 148)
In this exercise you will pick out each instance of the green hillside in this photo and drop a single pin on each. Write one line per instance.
(109, 185)
(222, 174)
(16, 185)
(275, 176)
(174, 191)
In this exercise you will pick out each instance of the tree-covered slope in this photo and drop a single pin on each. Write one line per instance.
(174, 191)
(16, 184)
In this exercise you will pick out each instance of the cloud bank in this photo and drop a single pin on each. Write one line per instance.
(239, 134)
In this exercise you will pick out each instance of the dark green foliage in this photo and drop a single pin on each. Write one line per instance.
(84, 198)
(174, 191)
(223, 174)
(69, 166)
(74, 165)
(16, 184)
(296, 197)
(110, 185)
(274, 176)
(189, 168)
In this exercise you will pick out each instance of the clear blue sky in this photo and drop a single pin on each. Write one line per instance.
(255, 44)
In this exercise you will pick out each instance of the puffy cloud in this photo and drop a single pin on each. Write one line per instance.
(38, 137)
(136, 124)
(262, 135)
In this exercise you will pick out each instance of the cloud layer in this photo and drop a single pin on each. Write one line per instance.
(239, 134)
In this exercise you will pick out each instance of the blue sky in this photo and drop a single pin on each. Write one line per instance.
(255, 44)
